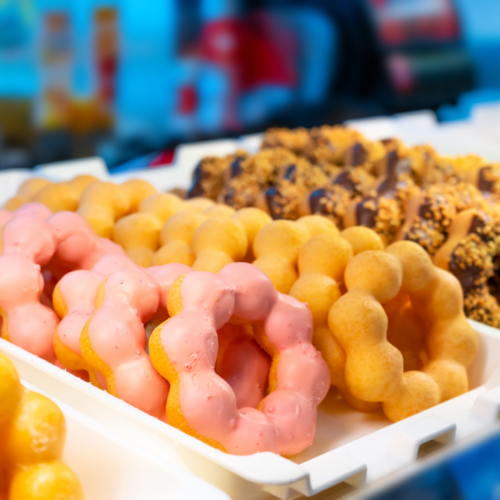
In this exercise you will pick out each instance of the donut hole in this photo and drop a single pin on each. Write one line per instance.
(52, 273)
(406, 331)
(243, 364)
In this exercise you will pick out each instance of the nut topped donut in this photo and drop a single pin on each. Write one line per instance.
(296, 140)
(332, 199)
(209, 175)
(383, 208)
(184, 350)
(249, 176)
(335, 146)
(470, 254)
(430, 213)
(283, 200)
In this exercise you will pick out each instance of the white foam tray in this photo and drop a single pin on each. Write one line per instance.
(349, 447)
(110, 467)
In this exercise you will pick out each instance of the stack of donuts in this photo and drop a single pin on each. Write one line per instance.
(32, 431)
(243, 324)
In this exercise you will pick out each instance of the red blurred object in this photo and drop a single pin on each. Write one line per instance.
(106, 53)
(188, 100)
(164, 158)
(106, 69)
(401, 22)
(257, 51)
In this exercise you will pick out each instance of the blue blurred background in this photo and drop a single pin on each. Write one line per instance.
(122, 78)
(473, 474)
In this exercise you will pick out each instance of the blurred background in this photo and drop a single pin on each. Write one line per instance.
(124, 78)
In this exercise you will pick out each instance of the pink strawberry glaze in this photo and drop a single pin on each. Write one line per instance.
(287, 422)
(117, 334)
(77, 244)
(30, 242)
(166, 275)
(78, 290)
(5, 216)
(243, 365)
(32, 209)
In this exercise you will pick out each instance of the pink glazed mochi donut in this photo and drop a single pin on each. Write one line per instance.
(184, 350)
(113, 340)
(27, 242)
(32, 209)
(74, 303)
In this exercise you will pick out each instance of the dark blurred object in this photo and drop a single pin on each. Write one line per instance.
(471, 474)
(16, 133)
(421, 45)
(435, 484)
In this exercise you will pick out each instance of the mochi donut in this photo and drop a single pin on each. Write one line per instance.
(176, 237)
(383, 207)
(113, 340)
(177, 234)
(33, 432)
(276, 248)
(332, 199)
(184, 350)
(430, 213)
(253, 220)
(294, 180)
(139, 233)
(56, 196)
(374, 369)
(26, 192)
(470, 254)
(74, 302)
(217, 242)
(362, 238)
(322, 262)
(31, 209)
(26, 245)
(103, 203)
(59, 196)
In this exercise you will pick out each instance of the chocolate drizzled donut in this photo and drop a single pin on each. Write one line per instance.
(249, 175)
(383, 208)
(333, 147)
(283, 200)
(419, 159)
(454, 170)
(470, 254)
(208, 177)
(332, 199)
(430, 212)
(488, 181)
(296, 140)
